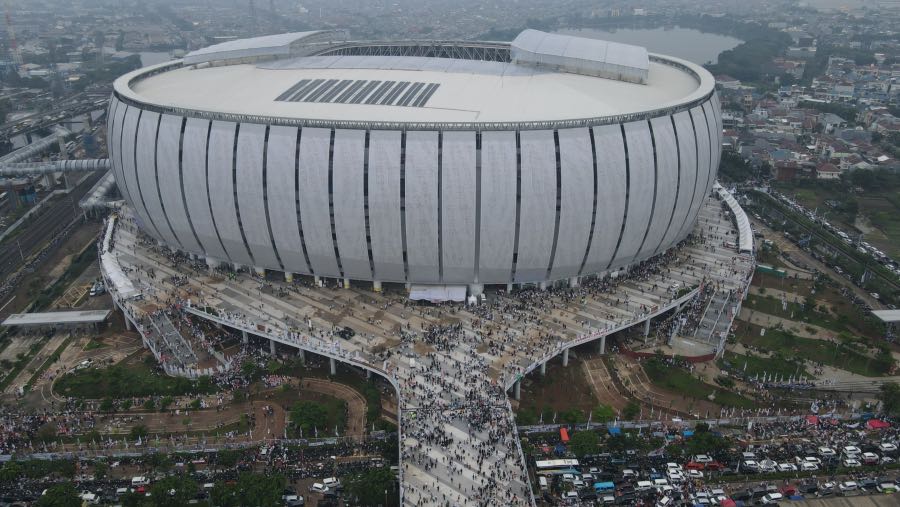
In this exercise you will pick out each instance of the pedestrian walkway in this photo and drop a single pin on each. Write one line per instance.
(452, 364)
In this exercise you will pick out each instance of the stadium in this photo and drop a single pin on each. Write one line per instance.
(448, 165)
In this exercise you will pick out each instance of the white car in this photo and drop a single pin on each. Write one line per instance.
(848, 486)
(851, 463)
(809, 459)
(826, 452)
(787, 467)
(771, 498)
(887, 447)
(643, 486)
(703, 458)
(887, 460)
(89, 498)
(695, 474)
(808, 467)
(331, 482)
(750, 465)
(767, 466)
(851, 451)
(318, 487)
(673, 466)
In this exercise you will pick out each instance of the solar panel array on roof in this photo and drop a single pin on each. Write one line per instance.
(360, 91)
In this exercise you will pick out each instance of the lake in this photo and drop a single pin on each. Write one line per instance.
(692, 45)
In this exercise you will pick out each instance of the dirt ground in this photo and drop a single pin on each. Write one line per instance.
(563, 388)
(35, 282)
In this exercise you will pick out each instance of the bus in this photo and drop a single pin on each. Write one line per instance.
(557, 466)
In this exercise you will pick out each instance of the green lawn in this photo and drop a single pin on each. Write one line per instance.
(125, 380)
(794, 311)
(819, 351)
(757, 366)
(845, 317)
(680, 381)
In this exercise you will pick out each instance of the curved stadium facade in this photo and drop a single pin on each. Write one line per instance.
(447, 163)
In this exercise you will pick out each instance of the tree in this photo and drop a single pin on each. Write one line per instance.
(583, 443)
(101, 469)
(889, 396)
(107, 405)
(10, 472)
(372, 487)
(309, 416)
(47, 432)
(165, 402)
(603, 413)
(139, 431)
(630, 411)
(250, 489)
(60, 495)
(571, 416)
(173, 491)
(149, 405)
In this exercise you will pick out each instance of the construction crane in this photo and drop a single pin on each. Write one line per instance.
(11, 35)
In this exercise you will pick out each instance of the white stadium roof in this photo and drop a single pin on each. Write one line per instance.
(468, 91)
(267, 45)
(581, 55)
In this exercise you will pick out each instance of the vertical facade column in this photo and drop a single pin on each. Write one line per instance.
(646, 328)
(346, 283)
(603, 344)
(544, 368)
(333, 364)
(288, 277)
(302, 355)
(517, 390)
(509, 288)
(376, 286)
(542, 285)
(211, 263)
(368, 374)
(566, 357)
(260, 272)
(244, 338)
(317, 281)
(476, 289)
(128, 326)
(573, 282)
(272, 347)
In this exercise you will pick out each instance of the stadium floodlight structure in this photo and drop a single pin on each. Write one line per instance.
(429, 163)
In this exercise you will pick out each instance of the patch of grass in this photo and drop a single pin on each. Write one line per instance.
(54, 357)
(839, 355)
(757, 366)
(22, 360)
(682, 382)
(94, 344)
(120, 381)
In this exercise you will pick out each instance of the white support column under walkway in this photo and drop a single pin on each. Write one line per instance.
(566, 357)
(333, 364)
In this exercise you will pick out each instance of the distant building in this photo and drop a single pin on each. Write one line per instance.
(827, 171)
